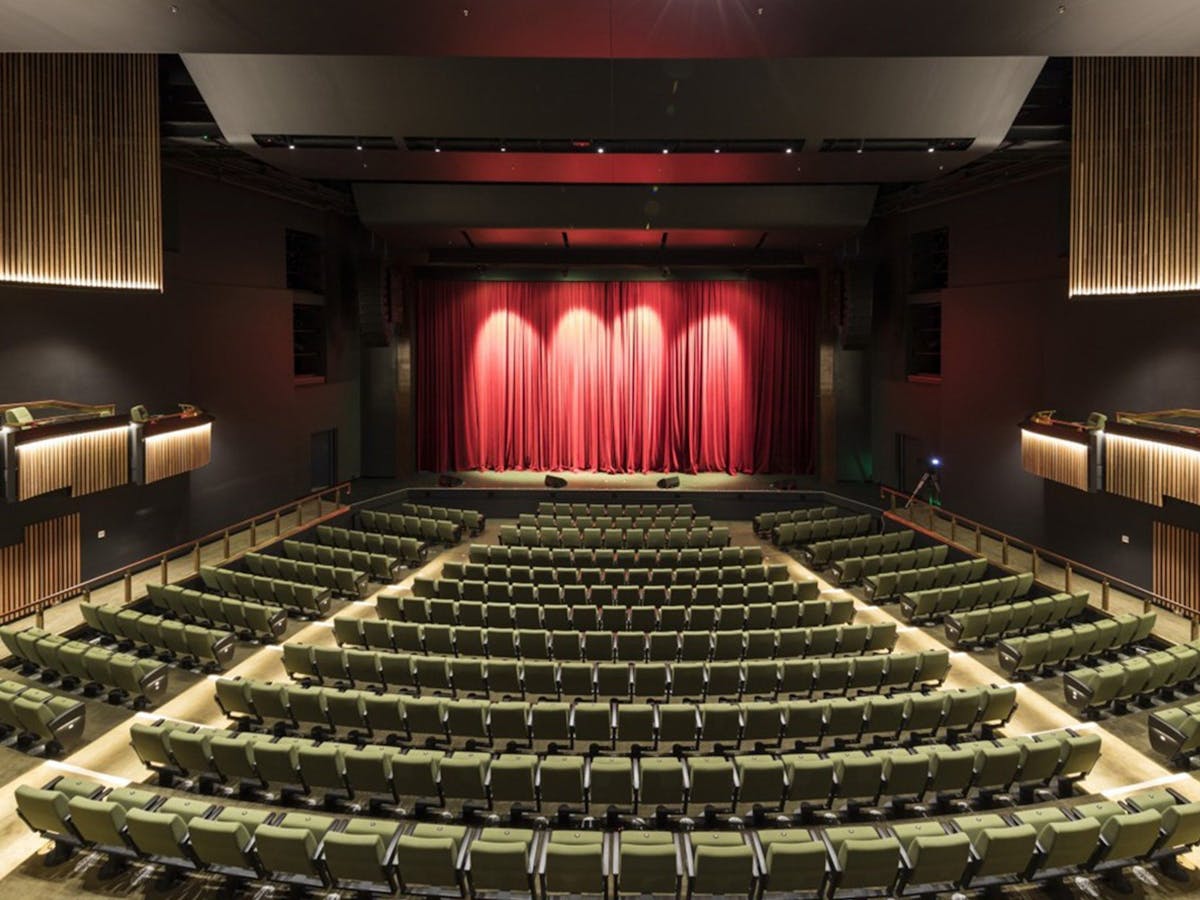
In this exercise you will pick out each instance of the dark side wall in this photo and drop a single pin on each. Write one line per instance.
(219, 336)
(1013, 343)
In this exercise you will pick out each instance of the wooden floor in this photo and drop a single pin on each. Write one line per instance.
(1124, 766)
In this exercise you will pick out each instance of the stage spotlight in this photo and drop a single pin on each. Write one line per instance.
(935, 462)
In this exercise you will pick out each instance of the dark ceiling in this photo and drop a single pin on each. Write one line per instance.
(482, 122)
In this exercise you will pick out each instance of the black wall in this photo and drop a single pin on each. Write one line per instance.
(1013, 343)
(218, 336)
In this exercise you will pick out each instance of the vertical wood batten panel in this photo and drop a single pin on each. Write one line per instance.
(46, 561)
(1057, 460)
(178, 452)
(1135, 190)
(1177, 564)
(1148, 471)
(79, 170)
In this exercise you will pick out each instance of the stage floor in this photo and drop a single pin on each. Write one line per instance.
(603, 481)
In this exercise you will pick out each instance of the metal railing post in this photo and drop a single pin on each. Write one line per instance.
(300, 513)
(953, 528)
(39, 617)
(196, 558)
(225, 545)
(1195, 629)
(978, 540)
(1146, 605)
(162, 569)
(1105, 588)
(278, 525)
(1067, 577)
(128, 586)
(253, 533)
(1033, 561)
(1004, 549)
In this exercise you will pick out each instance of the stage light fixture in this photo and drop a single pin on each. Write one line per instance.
(665, 150)
(358, 146)
(928, 149)
(788, 150)
(716, 150)
(291, 146)
(599, 149)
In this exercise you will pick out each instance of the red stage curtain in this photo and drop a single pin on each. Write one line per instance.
(693, 376)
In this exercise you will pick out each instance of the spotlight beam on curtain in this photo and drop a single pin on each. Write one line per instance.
(703, 376)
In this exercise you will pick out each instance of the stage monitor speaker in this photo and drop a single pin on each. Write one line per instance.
(671, 481)
(553, 481)
(449, 481)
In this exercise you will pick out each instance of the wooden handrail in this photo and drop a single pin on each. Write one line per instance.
(1039, 555)
(192, 547)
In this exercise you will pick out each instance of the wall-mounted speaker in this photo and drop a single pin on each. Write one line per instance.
(671, 481)
(449, 481)
(553, 481)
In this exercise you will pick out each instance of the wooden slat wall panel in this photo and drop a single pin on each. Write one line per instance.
(1177, 564)
(1148, 471)
(88, 462)
(1063, 461)
(1135, 176)
(80, 170)
(46, 561)
(177, 452)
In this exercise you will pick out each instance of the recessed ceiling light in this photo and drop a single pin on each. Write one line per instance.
(358, 146)
(503, 149)
(599, 149)
(859, 150)
(665, 150)
(291, 146)
(788, 150)
(929, 150)
(437, 149)
(716, 150)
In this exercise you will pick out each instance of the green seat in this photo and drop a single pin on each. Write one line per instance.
(936, 859)
(161, 836)
(561, 780)
(793, 861)
(1126, 837)
(46, 811)
(1003, 850)
(463, 776)
(660, 783)
(1065, 845)
(648, 863)
(722, 870)
(712, 782)
(359, 861)
(513, 778)
(866, 863)
(428, 856)
(575, 863)
(100, 823)
(499, 860)
(223, 846)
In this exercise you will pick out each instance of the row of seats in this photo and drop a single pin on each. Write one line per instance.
(888, 585)
(654, 510)
(979, 626)
(609, 558)
(1140, 677)
(797, 534)
(604, 646)
(78, 662)
(930, 605)
(470, 519)
(797, 722)
(40, 717)
(819, 554)
(655, 680)
(650, 597)
(547, 611)
(605, 522)
(615, 538)
(254, 620)
(1066, 646)
(345, 581)
(853, 569)
(297, 598)
(1175, 733)
(429, 530)
(764, 522)
(407, 550)
(734, 573)
(377, 566)
(306, 850)
(785, 781)
(205, 645)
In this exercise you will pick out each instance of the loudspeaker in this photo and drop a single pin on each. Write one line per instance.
(671, 481)
(553, 481)
(449, 481)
